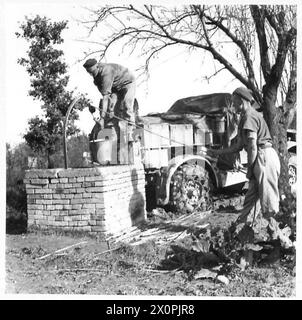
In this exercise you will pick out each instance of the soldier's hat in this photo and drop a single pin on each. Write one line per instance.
(89, 63)
(244, 93)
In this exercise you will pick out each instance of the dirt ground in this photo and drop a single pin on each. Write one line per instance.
(159, 258)
(145, 268)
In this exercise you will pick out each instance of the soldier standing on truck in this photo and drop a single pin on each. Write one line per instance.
(117, 86)
(263, 164)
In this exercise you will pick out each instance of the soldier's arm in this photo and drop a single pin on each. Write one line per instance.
(105, 102)
(252, 150)
(232, 149)
(105, 86)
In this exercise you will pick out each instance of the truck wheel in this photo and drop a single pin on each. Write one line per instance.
(191, 189)
(292, 170)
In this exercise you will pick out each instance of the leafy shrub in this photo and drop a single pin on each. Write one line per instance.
(16, 197)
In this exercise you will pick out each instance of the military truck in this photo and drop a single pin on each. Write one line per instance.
(173, 149)
(177, 164)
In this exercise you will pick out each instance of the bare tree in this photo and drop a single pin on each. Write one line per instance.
(262, 40)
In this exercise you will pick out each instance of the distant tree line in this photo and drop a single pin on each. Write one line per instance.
(22, 157)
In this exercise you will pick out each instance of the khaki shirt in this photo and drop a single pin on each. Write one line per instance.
(253, 121)
(112, 77)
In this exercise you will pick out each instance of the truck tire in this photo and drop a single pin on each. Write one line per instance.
(191, 189)
(292, 170)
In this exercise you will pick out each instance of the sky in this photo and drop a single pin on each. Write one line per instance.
(173, 76)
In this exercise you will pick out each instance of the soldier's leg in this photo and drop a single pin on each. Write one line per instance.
(270, 192)
(129, 102)
(251, 203)
(269, 165)
(266, 171)
(112, 104)
(128, 108)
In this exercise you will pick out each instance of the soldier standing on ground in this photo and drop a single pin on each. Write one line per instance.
(117, 86)
(263, 164)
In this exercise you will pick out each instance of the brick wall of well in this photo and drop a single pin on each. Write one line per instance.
(101, 200)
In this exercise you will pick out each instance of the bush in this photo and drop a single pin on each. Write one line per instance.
(16, 197)
(287, 213)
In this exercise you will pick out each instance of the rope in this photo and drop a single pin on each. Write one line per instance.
(137, 126)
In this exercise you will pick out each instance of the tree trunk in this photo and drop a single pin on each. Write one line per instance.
(277, 121)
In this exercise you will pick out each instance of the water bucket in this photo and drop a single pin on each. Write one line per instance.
(104, 149)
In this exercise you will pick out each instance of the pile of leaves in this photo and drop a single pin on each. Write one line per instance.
(223, 251)
(287, 213)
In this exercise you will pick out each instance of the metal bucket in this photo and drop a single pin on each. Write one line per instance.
(104, 149)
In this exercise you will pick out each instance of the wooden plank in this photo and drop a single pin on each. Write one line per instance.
(181, 134)
(156, 135)
(156, 158)
(199, 137)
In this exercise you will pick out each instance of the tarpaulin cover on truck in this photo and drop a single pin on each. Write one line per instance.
(203, 104)
(198, 111)
(194, 110)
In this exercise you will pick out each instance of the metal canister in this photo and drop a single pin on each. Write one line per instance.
(219, 124)
(208, 138)
(104, 149)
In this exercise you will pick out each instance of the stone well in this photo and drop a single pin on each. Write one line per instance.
(101, 200)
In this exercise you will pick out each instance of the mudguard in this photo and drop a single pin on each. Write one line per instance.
(163, 184)
(291, 146)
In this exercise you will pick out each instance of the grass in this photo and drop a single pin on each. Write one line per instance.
(128, 270)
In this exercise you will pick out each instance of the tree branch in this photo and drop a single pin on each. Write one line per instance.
(214, 74)
(276, 21)
(239, 43)
(216, 55)
(258, 17)
(155, 28)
